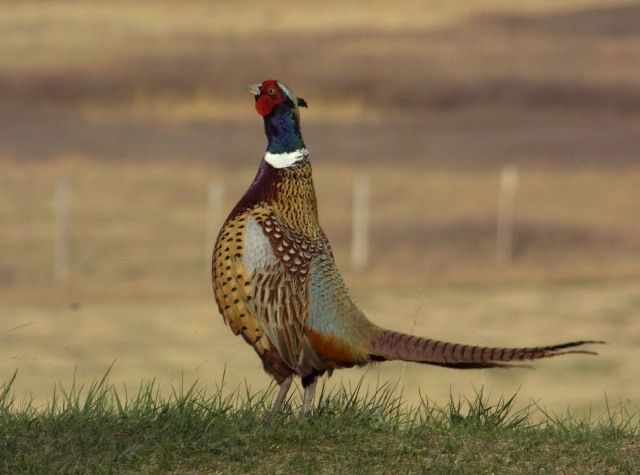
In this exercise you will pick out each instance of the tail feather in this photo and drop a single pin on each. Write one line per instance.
(390, 345)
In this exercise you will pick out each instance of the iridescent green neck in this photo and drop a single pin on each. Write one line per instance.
(282, 128)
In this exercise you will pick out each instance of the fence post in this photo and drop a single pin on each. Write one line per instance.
(215, 210)
(62, 245)
(506, 214)
(360, 224)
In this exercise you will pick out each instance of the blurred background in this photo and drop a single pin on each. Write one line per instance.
(490, 151)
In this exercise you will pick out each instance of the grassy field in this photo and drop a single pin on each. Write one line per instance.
(139, 106)
(97, 430)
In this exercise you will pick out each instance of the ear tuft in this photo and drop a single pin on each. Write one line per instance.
(302, 102)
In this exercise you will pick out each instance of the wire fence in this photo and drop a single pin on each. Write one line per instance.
(216, 208)
(102, 228)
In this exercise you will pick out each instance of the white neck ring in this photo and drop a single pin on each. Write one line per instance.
(286, 159)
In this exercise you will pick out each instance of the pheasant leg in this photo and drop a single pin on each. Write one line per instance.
(309, 392)
(282, 394)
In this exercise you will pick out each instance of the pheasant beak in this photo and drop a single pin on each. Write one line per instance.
(254, 89)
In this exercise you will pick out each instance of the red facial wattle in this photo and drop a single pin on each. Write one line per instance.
(265, 104)
(270, 96)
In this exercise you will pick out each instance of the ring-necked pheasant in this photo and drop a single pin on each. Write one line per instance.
(277, 285)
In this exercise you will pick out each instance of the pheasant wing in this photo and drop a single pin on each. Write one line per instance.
(278, 261)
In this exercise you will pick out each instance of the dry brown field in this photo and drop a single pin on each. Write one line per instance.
(140, 296)
(139, 106)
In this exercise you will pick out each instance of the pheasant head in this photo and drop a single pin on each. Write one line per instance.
(279, 108)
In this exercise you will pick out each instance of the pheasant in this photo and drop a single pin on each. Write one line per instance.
(276, 283)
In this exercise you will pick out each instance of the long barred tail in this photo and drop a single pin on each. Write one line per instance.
(390, 345)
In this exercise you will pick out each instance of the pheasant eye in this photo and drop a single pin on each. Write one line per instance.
(271, 91)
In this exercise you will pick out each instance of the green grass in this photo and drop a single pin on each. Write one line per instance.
(98, 429)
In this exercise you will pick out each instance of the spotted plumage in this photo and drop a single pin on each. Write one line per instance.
(277, 285)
